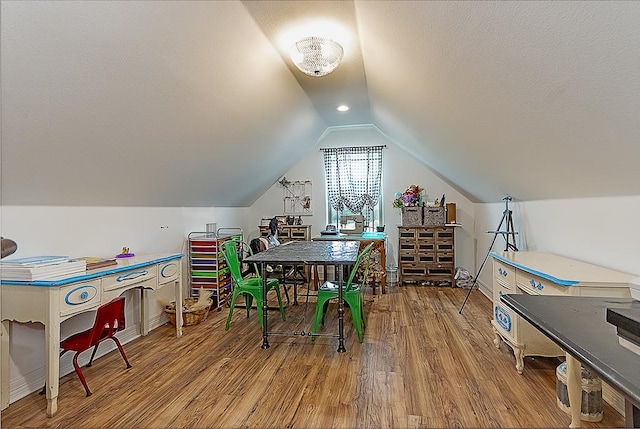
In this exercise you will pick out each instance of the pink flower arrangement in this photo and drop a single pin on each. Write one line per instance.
(411, 197)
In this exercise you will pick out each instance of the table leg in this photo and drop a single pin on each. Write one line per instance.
(5, 364)
(574, 389)
(265, 307)
(144, 323)
(295, 285)
(518, 352)
(52, 367)
(315, 278)
(341, 348)
(383, 263)
(178, 295)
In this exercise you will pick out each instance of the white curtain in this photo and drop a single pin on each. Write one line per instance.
(354, 176)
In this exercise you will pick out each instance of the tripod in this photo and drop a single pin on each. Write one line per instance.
(509, 236)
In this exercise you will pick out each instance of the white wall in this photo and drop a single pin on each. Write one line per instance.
(399, 171)
(601, 231)
(97, 231)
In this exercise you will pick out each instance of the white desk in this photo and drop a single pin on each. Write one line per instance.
(539, 273)
(52, 302)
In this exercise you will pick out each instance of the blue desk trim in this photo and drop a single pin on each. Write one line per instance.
(93, 275)
(546, 276)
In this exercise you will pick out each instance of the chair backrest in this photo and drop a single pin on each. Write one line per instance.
(233, 262)
(363, 257)
(109, 320)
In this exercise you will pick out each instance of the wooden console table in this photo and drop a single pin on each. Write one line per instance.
(379, 247)
(52, 302)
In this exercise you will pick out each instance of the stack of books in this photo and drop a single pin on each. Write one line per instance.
(94, 262)
(40, 268)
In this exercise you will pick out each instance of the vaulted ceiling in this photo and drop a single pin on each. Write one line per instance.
(162, 103)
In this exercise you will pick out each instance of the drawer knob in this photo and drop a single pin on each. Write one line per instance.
(533, 284)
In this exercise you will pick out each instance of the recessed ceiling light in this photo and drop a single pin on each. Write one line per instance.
(342, 108)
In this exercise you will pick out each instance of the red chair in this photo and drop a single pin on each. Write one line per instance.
(109, 320)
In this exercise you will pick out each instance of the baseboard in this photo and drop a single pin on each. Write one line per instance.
(486, 291)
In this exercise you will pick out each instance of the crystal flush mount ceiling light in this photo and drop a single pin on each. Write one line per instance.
(316, 56)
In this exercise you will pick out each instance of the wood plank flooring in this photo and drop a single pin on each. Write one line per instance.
(422, 365)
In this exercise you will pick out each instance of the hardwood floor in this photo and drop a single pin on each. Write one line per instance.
(422, 365)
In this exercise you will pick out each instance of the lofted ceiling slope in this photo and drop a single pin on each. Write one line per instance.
(192, 103)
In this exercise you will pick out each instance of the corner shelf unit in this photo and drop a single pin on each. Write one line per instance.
(207, 266)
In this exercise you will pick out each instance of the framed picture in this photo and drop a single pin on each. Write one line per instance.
(297, 198)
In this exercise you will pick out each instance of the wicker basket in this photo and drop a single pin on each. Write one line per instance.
(189, 317)
(412, 216)
(433, 216)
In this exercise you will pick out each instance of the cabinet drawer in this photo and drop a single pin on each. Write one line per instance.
(408, 246)
(426, 234)
(426, 246)
(505, 320)
(284, 234)
(169, 271)
(80, 296)
(298, 233)
(445, 258)
(534, 285)
(407, 234)
(444, 233)
(504, 274)
(408, 258)
(415, 270)
(417, 258)
(444, 270)
(444, 246)
(130, 278)
(501, 289)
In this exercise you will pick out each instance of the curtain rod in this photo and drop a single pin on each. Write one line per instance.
(355, 147)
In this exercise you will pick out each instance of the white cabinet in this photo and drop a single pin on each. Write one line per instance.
(537, 273)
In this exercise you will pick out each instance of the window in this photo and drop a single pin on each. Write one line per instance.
(354, 182)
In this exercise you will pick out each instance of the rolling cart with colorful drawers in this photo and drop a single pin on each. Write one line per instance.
(207, 266)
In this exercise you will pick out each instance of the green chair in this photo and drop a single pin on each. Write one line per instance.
(251, 287)
(351, 294)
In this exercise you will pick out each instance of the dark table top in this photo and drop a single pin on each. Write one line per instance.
(579, 325)
(309, 252)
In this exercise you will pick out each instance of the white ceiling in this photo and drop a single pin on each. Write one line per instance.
(161, 103)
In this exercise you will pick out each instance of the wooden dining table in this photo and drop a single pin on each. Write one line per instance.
(339, 253)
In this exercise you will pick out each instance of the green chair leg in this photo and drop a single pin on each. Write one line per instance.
(319, 315)
(231, 307)
(364, 319)
(277, 288)
(356, 313)
(248, 301)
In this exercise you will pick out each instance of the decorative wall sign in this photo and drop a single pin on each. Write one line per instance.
(296, 196)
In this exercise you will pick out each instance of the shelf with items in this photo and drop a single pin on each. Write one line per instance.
(426, 255)
(207, 266)
(289, 232)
